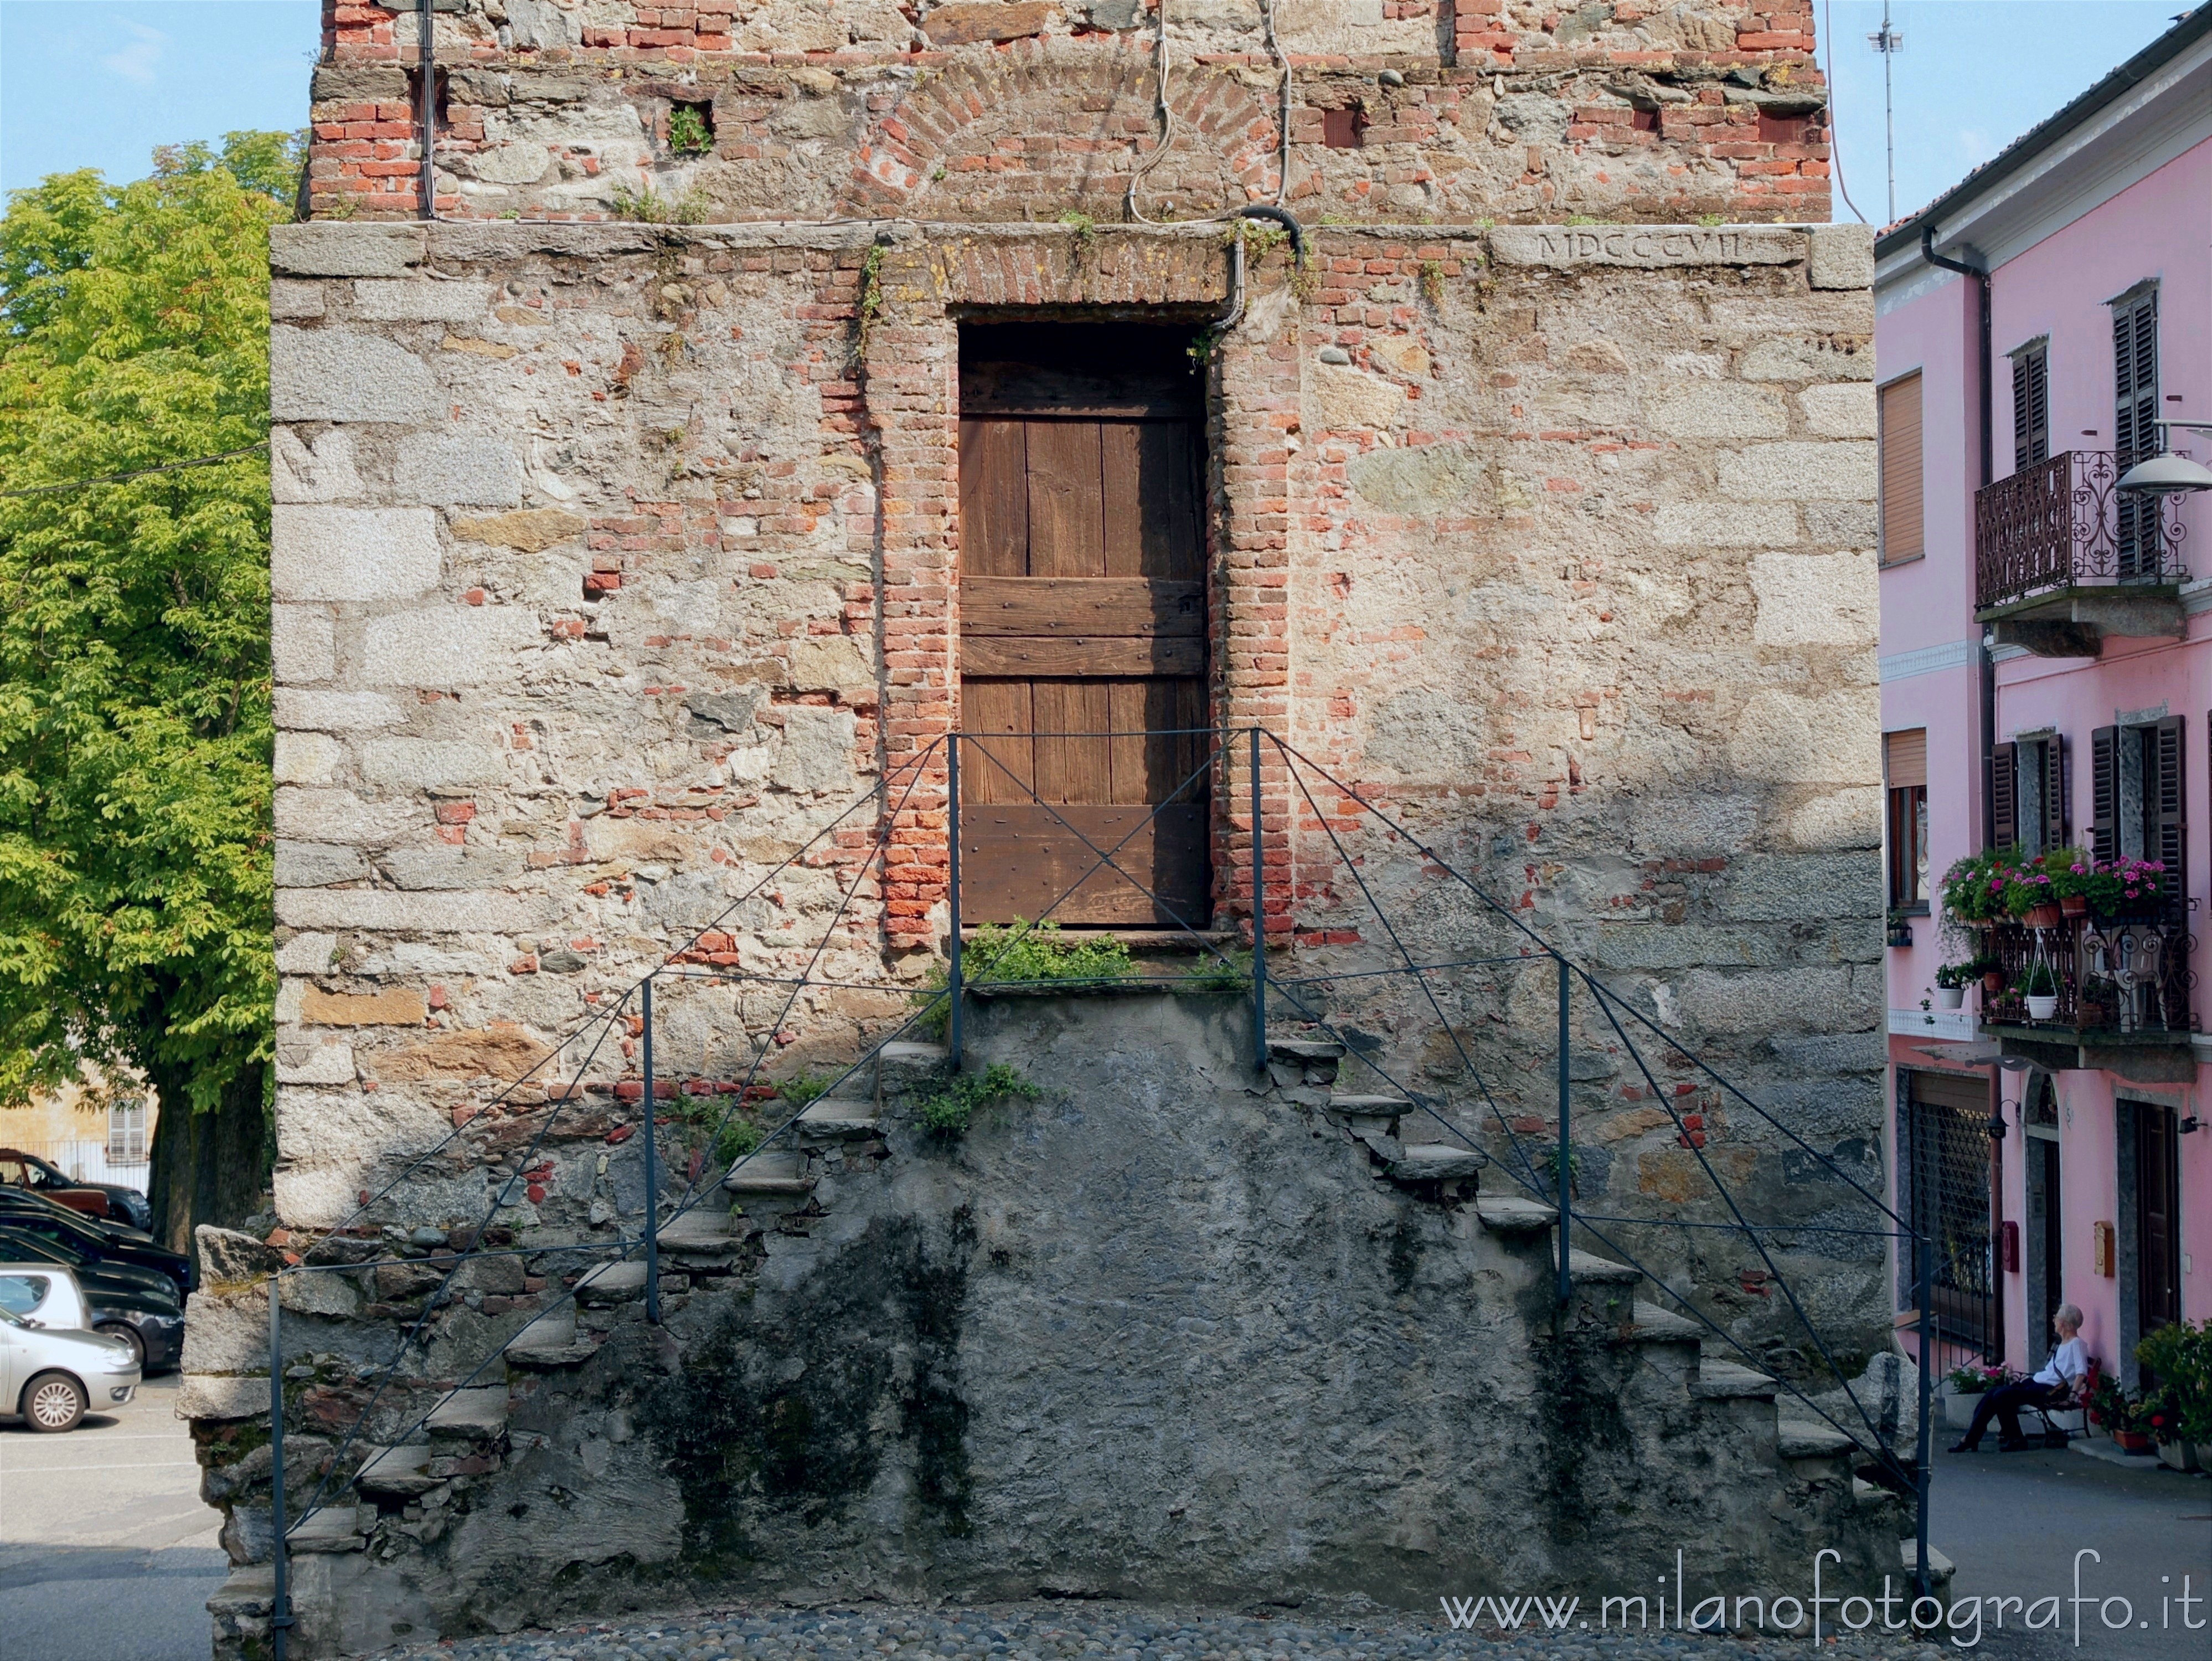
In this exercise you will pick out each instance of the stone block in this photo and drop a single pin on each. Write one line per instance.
(532, 530)
(395, 1007)
(830, 663)
(334, 712)
(451, 468)
(817, 749)
(337, 375)
(1786, 739)
(322, 472)
(315, 864)
(1343, 400)
(421, 300)
(1793, 887)
(1846, 524)
(1840, 409)
(300, 1061)
(1644, 248)
(965, 22)
(228, 1332)
(339, 816)
(329, 553)
(430, 763)
(1842, 818)
(325, 249)
(1431, 478)
(501, 1050)
(294, 298)
(1841, 257)
(302, 644)
(1810, 357)
(522, 163)
(1835, 471)
(451, 867)
(414, 913)
(1814, 600)
(203, 1396)
(358, 84)
(306, 757)
(1726, 524)
(1716, 409)
(448, 646)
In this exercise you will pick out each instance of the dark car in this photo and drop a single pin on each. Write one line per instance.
(117, 1203)
(132, 1304)
(100, 1243)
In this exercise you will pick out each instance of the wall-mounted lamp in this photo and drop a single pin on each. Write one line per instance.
(2169, 474)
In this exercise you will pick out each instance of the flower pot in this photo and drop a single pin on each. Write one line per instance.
(1994, 981)
(1950, 997)
(2042, 1009)
(2178, 1456)
(1958, 1411)
(2045, 916)
(2074, 906)
(2131, 1441)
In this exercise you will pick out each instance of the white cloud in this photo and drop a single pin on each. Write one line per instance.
(135, 61)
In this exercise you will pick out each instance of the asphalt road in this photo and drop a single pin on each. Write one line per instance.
(2013, 1522)
(105, 1552)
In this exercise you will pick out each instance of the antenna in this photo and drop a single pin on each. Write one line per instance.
(1888, 42)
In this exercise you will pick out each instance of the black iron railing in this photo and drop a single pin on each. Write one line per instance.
(1546, 1172)
(2060, 524)
(2111, 975)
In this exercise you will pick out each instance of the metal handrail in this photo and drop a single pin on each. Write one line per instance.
(2062, 523)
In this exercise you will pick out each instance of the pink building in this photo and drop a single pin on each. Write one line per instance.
(2047, 680)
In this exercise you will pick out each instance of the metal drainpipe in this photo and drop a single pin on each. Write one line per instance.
(1981, 280)
(426, 57)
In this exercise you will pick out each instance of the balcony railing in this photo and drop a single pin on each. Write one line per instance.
(2116, 977)
(2061, 525)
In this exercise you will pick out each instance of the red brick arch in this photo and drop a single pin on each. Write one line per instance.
(1039, 122)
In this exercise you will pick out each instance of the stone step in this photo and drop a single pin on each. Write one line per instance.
(551, 1341)
(1718, 1381)
(771, 1171)
(1940, 1567)
(1305, 1049)
(1435, 1162)
(476, 1414)
(1370, 1107)
(840, 1121)
(399, 1473)
(1651, 1325)
(329, 1528)
(1509, 1213)
(250, 1590)
(1810, 1438)
(612, 1283)
(702, 1230)
(1586, 1268)
(905, 1065)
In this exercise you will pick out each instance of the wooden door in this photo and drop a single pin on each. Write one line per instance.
(1083, 645)
(2158, 1234)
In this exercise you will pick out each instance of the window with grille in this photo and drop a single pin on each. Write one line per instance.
(2030, 405)
(2135, 408)
(1904, 777)
(1943, 1177)
(126, 1131)
(1899, 414)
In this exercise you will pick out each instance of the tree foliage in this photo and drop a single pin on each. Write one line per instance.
(134, 719)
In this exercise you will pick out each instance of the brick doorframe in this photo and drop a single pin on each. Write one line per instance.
(926, 283)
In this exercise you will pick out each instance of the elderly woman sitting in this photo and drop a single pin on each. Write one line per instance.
(2054, 1385)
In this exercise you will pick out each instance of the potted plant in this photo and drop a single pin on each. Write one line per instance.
(2069, 868)
(2124, 889)
(2040, 986)
(2029, 896)
(2107, 1412)
(1963, 1387)
(2179, 1358)
(1974, 888)
(1951, 984)
(2098, 1003)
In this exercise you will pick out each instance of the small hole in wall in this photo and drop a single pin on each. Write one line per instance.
(1780, 130)
(1341, 129)
(1644, 120)
(443, 91)
(690, 128)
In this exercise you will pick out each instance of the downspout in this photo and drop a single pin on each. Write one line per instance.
(426, 58)
(1981, 280)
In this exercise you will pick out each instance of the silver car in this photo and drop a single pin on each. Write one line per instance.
(51, 1372)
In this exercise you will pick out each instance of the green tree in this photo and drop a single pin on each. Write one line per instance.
(134, 724)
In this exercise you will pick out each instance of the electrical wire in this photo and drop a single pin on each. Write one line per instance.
(1835, 145)
(1170, 127)
(136, 472)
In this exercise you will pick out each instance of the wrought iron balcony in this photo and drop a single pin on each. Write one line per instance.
(2122, 995)
(2062, 559)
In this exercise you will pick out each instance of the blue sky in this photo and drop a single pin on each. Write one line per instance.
(100, 82)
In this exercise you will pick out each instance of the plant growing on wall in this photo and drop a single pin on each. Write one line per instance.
(1028, 954)
(949, 1109)
(688, 129)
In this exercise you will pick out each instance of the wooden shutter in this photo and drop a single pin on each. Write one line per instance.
(2167, 843)
(2055, 816)
(2004, 791)
(1902, 536)
(1904, 758)
(2031, 406)
(2135, 407)
(2105, 791)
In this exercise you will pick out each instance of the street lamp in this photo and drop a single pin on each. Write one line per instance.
(2168, 474)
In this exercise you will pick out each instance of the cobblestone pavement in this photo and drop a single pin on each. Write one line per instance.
(1116, 1632)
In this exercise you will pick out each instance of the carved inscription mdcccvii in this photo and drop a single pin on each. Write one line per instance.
(1645, 247)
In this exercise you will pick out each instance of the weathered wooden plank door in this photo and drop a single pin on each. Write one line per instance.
(1083, 645)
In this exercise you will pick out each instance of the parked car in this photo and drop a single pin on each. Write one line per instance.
(57, 1296)
(52, 1376)
(17, 1171)
(98, 1242)
(134, 1305)
(17, 1200)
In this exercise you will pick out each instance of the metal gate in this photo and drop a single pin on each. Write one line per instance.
(1944, 1181)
